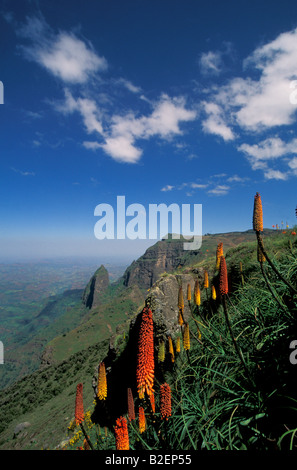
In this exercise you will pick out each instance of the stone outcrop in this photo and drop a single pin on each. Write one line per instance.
(95, 288)
(163, 256)
(163, 301)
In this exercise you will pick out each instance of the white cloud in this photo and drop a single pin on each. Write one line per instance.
(122, 149)
(23, 173)
(293, 163)
(198, 186)
(120, 132)
(210, 62)
(269, 149)
(275, 174)
(128, 85)
(236, 179)
(91, 145)
(213, 62)
(258, 102)
(215, 121)
(219, 190)
(70, 59)
(64, 55)
(164, 122)
(74, 61)
(87, 108)
(168, 187)
(261, 103)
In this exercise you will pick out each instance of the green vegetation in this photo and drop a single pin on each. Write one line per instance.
(218, 402)
(223, 398)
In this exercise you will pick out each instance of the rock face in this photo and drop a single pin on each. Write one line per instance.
(96, 287)
(164, 256)
(163, 301)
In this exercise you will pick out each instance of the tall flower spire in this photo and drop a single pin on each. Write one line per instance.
(141, 419)
(171, 349)
(165, 401)
(186, 337)
(258, 214)
(79, 406)
(206, 282)
(102, 383)
(131, 408)
(219, 253)
(197, 293)
(121, 434)
(189, 292)
(181, 306)
(145, 357)
(223, 277)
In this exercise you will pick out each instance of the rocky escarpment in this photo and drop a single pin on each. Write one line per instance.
(97, 285)
(163, 256)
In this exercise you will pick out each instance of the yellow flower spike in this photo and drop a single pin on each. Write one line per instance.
(171, 350)
(206, 282)
(189, 295)
(177, 345)
(219, 254)
(197, 294)
(180, 318)
(213, 293)
(102, 383)
(186, 337)
(161, 352)
(181, 304)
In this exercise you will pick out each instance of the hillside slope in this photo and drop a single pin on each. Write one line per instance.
(74, 356)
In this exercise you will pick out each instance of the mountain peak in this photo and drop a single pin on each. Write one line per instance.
(95, 287)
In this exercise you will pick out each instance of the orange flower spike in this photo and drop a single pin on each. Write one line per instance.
(181, 304)
(131, 409)
(171, 350)
(152, 401)
(219, 253)
(186, 337)
(223, 277)
(189, 295)
(206, 282)
(258, 214)
(141, 418)
(197, 293)
(177, 344)
(213, 293)
(102, 383)
(145, 357)
(161, 352)
(121, 434)
(165, 401)
(79, 406)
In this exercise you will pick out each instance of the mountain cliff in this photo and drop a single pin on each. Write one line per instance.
(97, 285)
(163, 256)
(106, 329)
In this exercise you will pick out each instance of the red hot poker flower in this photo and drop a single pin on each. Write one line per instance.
(131, 409)
(121, 434)
(145, 357)
(79, 406)
(258, 214)
(223, 277)
(165, 401)
(141, 417)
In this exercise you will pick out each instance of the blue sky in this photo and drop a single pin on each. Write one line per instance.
(170, 101)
